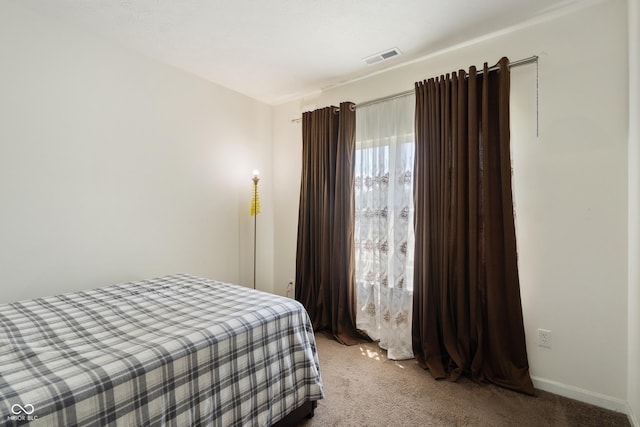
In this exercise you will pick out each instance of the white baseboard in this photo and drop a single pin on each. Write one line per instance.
(632, 417)
(586, 396)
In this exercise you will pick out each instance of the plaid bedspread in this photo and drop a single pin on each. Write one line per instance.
(177, 351)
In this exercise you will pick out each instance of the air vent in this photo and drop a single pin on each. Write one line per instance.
(382, 56)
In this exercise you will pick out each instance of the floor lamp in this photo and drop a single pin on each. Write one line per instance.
(255, 210)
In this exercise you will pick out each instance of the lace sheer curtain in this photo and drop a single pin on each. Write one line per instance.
(384, 236)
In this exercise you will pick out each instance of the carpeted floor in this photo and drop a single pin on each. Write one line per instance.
(364, 388)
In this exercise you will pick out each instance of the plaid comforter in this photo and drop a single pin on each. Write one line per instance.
(178, 351)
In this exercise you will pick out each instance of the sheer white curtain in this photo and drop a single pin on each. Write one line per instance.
(384, 236)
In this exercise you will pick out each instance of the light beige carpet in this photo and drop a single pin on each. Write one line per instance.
(364, 388)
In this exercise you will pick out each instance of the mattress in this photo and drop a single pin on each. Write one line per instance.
(178, 350)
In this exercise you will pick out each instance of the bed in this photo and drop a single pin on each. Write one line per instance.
(178, 351)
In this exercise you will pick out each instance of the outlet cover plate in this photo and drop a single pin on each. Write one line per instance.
(544, 338)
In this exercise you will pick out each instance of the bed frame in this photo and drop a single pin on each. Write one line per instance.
(307, 410)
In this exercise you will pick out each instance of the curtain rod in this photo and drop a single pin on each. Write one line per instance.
(517, 63)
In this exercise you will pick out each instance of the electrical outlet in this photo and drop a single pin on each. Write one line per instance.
(544, 338)
(290, 289)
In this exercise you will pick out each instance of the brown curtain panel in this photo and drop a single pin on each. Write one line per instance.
(325, 273)
(467, 314)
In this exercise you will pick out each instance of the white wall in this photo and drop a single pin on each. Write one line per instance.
(287, 167)
(634, 211)
(114, 167)
(570, 187)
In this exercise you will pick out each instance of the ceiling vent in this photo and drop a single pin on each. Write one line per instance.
(382, 56)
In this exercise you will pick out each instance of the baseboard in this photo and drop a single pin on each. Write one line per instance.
(632, 417)
(586, 396)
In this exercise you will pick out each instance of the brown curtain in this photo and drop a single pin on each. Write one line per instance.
(324, 259)
(467, 314)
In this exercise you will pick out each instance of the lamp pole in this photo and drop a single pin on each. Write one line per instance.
(255, 210)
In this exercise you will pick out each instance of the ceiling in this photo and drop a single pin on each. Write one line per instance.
(280, 50)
